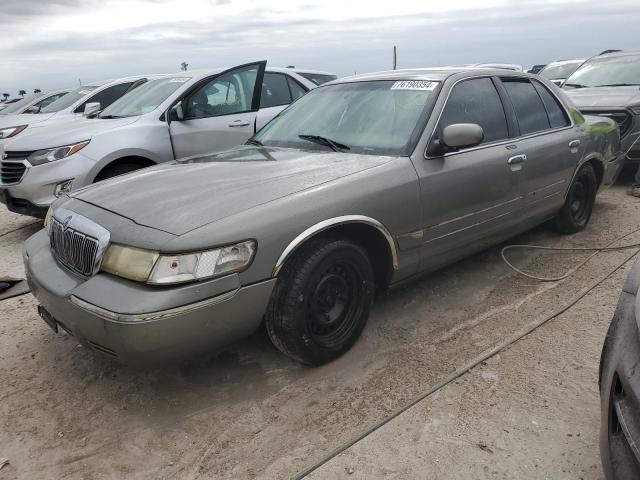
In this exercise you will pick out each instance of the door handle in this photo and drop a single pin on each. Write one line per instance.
(517, 159)
(573, 145)
(240, 123)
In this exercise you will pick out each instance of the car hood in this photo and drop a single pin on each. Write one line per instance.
(65, 133)
(180, 196)
(13, 120)
(605, 97)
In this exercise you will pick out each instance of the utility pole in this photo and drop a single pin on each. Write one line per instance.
(395, 57)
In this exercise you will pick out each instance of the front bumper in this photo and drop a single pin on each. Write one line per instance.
(152, 325)
(37, 185)
(620, 388)
(20, 205)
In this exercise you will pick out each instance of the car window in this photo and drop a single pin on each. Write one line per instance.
(476, 101)
(529, 109)
(19, 105)
(68, 99)
(557, 115)
(557, 71)
(317, 78)
(226, 94)
(145, 98)
(106, 97)
(275, 90)
(296, 89)
(49, 100)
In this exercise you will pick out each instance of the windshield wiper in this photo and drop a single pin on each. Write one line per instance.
(108, 117)
(332, 144)
(253, 141)
(620, 85)
(574, 85)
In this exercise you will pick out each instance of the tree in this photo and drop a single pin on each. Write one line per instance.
(37, 90)
(183, 66)
(22, 93)
(5, 96)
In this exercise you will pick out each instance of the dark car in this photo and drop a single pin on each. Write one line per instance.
(609, 85)
(620, 386)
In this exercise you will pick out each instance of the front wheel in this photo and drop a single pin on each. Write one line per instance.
(321, 301)
(576, 211)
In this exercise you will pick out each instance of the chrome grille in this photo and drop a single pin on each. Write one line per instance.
(73, 249)
(623, 118)
(11, 172)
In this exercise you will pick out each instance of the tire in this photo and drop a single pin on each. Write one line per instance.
(576, 211)
(321, 301)
(117, 169)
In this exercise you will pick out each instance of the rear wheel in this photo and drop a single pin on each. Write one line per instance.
(321, 301)
(576, 212)
(117, 169)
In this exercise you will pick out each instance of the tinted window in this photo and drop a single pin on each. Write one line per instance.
(476, 101)
(557, 116)
(275, 90)
(530, 112)
(229, 93)
(106, 97)
(296, 89)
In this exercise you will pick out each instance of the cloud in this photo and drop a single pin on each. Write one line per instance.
(306, 35)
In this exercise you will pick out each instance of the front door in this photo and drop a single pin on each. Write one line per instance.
(469, 195)
(220, 113)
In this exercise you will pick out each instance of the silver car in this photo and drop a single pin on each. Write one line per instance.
(173, 116)
(360, 185)
(80, 102)
(34, 103)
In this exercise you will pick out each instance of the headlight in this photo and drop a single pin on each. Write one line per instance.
(11, 131)
(47, 219)
(151, 267)
(58, 153)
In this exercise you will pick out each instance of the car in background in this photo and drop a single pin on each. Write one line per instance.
(360, 184)
(34, 103)
(620, 386)
(315, 76)
(83, 101)
(609, 85)
(536, 68)
(173, 116)
(5, 104)
(559, 71)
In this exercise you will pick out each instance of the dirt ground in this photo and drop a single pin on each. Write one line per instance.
(532, 411)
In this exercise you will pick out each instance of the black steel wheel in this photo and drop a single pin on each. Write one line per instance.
(576, 211)
(321, 301)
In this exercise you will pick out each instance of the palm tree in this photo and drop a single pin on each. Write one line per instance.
(5, 96)
(22, 93)
(37, 90)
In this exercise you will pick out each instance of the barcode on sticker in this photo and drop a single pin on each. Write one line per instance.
(414, 85)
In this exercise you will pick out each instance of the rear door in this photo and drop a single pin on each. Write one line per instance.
(220, 112)
(469, 194)
(278, 91)
(547, 143)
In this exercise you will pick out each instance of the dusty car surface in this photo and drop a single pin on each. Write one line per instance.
(620, 386)
(609, 85)
(361, 184)
(169, 117)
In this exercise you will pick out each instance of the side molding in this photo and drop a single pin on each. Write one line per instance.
(332, 222)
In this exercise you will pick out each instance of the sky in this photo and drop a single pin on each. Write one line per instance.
(50, 44)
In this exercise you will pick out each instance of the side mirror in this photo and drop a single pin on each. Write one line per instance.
(90, 108)
(32, 109)
(175, 113)
(462, 135)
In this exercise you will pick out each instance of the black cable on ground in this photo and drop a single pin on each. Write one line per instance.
(472, 364)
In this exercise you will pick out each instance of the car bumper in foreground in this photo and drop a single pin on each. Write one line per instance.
(151, 336)
(620, 388)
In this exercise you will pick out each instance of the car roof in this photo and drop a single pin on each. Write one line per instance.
(562, 62)
(435, 74)
(204, 72)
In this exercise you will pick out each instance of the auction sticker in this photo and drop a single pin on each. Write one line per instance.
(414, 85)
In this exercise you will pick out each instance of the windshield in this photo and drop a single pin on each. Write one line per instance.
(317, 78)
(605, 71)
(378, 118)
(559, 71)
(14, 107)
(69, 99)
(144, 99)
